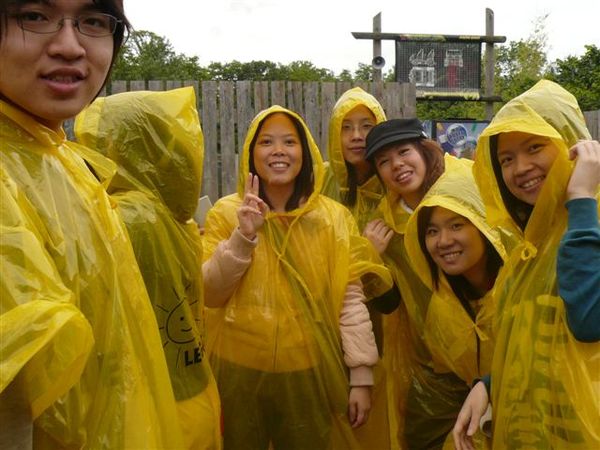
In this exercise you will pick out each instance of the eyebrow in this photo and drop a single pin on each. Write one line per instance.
(50, 3)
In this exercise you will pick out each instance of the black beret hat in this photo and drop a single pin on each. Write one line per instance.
(392, 131)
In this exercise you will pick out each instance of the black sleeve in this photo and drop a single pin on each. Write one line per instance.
(387, 302)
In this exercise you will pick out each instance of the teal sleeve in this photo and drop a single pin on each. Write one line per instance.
(578, 268)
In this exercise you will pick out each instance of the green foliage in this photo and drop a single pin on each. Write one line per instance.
(148, 56)
(580, 76)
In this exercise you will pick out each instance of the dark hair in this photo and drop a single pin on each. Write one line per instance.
(432, 155)
(304, 183)
(350, 197)
(518, 209)
(112, 7)
(459, 284)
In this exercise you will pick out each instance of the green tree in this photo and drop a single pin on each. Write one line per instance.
(148, 56)
(580, 76)
(520, 64)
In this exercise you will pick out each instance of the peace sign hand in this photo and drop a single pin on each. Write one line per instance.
(251, 213)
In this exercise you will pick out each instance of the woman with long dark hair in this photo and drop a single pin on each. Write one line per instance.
(289, 336)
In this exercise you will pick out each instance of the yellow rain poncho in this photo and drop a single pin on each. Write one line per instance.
(278, 335)
(424, 403)
(368, 194)
(74, 310)
(457, 343)
(545, 384)
(156, 140)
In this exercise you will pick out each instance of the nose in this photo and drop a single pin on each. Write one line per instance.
(357, 134)
(445, 238)
(397, 161)
(522, 164)
(66, 41)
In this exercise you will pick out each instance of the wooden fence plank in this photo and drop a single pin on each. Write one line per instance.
(278, 93)
(328, 100)
(210, 182)
(592, 120)
(156, 85)
(261, 96)
(173, 84)
(312, 112)
(294, 97)
(244, 110)
(137, 85)
(118, 86)
(227, 146)
(342, 87)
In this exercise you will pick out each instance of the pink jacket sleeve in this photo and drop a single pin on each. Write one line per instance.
(358, 340)
(224, 269)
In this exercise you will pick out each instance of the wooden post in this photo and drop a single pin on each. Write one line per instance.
(490, 61)
(377, 46)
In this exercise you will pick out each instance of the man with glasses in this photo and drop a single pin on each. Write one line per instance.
(81, 361)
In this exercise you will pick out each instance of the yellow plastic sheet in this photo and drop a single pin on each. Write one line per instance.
(276, 342)
(545, 384)
(63, 243)
(156, 141)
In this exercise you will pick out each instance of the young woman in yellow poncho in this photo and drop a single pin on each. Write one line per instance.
(290, 338)
(351, 180)
(81, 363)
(545, 373)
(458, 255)
(156, 140)
(425, 403)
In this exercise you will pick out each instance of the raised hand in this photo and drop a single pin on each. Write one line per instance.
(251, 213)
(586, 174)
(379, 234)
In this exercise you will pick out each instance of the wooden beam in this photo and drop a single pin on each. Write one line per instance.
(429, 37)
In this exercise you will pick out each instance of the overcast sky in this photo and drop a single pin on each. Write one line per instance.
(320, 30)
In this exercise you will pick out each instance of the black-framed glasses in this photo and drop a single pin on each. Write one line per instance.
(94, 24)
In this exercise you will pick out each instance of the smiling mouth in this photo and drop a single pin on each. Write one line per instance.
(532, 183)
(450, 257)
(279, 165)
(403, 177)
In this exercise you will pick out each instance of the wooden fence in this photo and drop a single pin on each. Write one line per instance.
(226, 109)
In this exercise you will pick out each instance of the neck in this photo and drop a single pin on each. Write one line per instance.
(479, 280)
(278, 197)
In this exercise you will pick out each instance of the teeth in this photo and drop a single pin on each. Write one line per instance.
(449, 257)
(279, 165)
(403, 176)
(531, 183)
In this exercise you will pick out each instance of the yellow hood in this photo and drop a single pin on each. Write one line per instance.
(454, 190)
(160, 149)
(546, 110)
(317, 161)
(347, 102)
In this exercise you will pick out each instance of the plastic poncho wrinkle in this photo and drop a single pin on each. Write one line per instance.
(370, 192)
(156, 144)
(168, 250)
(67, 250)
(282, 321)
(545, 392)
